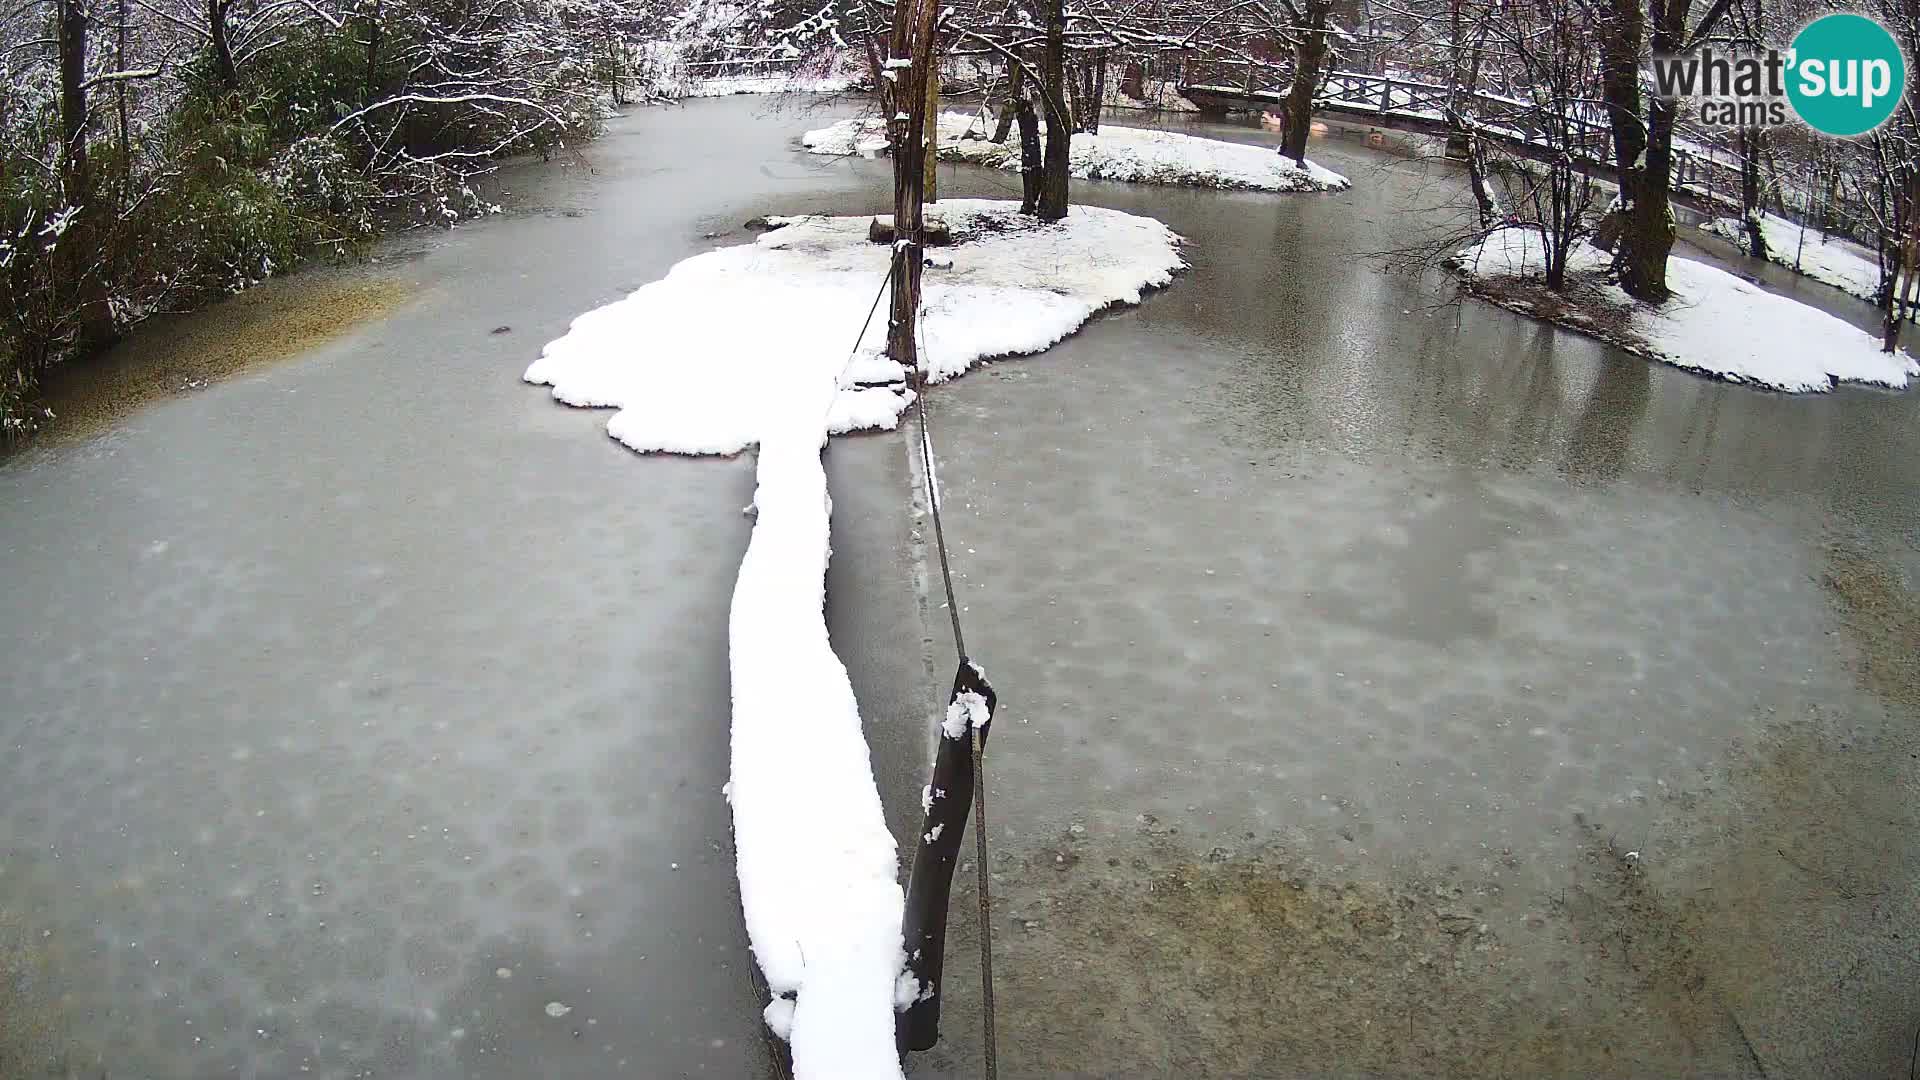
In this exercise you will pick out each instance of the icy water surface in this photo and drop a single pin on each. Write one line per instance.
(366, 714)
(1389, 687)
(1392, 688)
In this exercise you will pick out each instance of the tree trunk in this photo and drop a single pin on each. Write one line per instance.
(912, 41)
(1749, 140)
(1077, 96)
(882, 87)
(223, 69)
(1463, 75)
(1030, 164)
(1890, 305)
(373, 52)
(616, 72)
(1477, 180)
(1646, 234)
(932, 152)
(125, 139)
(1309, 55)
(1097, 100)
(1643, 159)
(1016, 90)
(1898, 308)
(1053, 182)
(75, 182)
(80, 250)
(1620, 32)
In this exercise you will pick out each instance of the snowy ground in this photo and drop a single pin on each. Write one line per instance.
(1832, 260)
(768, 84)
(1715, 323)
(749, 345)
(1139, 155)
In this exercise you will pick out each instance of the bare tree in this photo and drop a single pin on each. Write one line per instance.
(1546, 44)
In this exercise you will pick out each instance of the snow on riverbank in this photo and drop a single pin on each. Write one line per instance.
(1831, 260)
(748, 345)
(1139, 155)
(726, 85)
(1715, 323)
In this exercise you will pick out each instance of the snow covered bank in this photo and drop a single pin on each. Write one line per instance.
(1138, 155)
(748, 345)
(1831, 260)
(1715, 323)
(726, 85)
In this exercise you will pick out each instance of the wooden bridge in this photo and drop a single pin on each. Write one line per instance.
(1516, 124)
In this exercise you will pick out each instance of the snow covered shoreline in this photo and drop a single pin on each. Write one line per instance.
(1715, 324)
(1138, 155)
(749, 346)
(1830, 260)
(728, 85)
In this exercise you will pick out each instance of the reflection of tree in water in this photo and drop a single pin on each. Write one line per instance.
(1475, 407)
(1604, 433)
(1531, 424)
(1703, 424)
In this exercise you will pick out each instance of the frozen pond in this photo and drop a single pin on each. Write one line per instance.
(1388, 687)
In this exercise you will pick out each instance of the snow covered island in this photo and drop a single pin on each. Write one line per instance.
(754, 344)
(1715, 323)
(1138, 155)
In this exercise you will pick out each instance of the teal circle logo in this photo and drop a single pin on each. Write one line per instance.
(1847, 76)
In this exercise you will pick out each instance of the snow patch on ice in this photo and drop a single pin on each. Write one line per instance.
(700, 361)
(1139, 155)
(748, 345)
(1715, 323)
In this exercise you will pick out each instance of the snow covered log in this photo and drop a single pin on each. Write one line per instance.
(818, 875)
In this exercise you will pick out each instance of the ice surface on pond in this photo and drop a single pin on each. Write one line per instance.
(1140, 155)
(753, 345)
